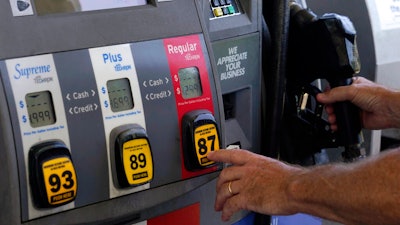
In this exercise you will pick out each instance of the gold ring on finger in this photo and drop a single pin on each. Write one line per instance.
(230, 188)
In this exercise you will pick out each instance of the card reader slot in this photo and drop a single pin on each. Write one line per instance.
(238, 123)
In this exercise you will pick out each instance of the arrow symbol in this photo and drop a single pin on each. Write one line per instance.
(93, 93)
(69, 99)
(147, 97)
(70, 111)
(169, 93)
(95, 106)
(144, 83)
(166, 80)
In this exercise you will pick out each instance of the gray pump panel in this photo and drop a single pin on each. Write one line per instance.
(108, 110)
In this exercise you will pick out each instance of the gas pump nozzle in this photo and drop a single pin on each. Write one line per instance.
(325, 48)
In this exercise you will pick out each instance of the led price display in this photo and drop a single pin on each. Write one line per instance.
(189, 79)
(40, 108)
(120, 94)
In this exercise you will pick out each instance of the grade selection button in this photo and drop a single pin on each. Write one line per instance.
(52, 175)
(133, 160)
(199, 136)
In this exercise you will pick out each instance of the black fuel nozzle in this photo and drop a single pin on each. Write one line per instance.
(325, 48)
(301, 16)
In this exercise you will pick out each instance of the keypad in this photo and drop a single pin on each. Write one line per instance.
(223, 8)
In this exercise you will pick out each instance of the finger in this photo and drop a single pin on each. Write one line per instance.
(234, 156)
(361, 80)
(329, 109)
(337, 94)
(232, 205)
(356, 80)
(226, 191)
(332, 119)
(229, 174)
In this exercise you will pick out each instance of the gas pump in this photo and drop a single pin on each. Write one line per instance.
(109, 108)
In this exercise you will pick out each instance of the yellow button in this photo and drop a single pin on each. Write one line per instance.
(218, 12)
(60, 180)
(206, 140)
(138, 162)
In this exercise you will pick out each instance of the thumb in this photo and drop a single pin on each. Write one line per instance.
(337, 94)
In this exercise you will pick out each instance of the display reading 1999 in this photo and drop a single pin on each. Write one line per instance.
(189, 79)
(120, 94)
(40, 108)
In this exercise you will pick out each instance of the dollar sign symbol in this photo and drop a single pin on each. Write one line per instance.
(21, 104)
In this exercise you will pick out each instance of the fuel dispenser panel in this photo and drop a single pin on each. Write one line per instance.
(109, 109)
(113, 116)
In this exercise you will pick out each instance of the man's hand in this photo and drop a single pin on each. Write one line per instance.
(380, 105)
(253, 182)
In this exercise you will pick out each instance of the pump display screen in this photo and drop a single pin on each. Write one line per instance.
(120, 94)
(189, 79)
(40, 108)
(63, 6)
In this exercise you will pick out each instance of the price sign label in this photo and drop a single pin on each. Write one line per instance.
(206, 140)
(60, 180)
(138, 161)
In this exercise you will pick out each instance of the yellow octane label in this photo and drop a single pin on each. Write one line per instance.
(206, 140)
(60, 180)
(138, 161)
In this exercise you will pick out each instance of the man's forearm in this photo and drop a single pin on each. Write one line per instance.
(367, 192)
